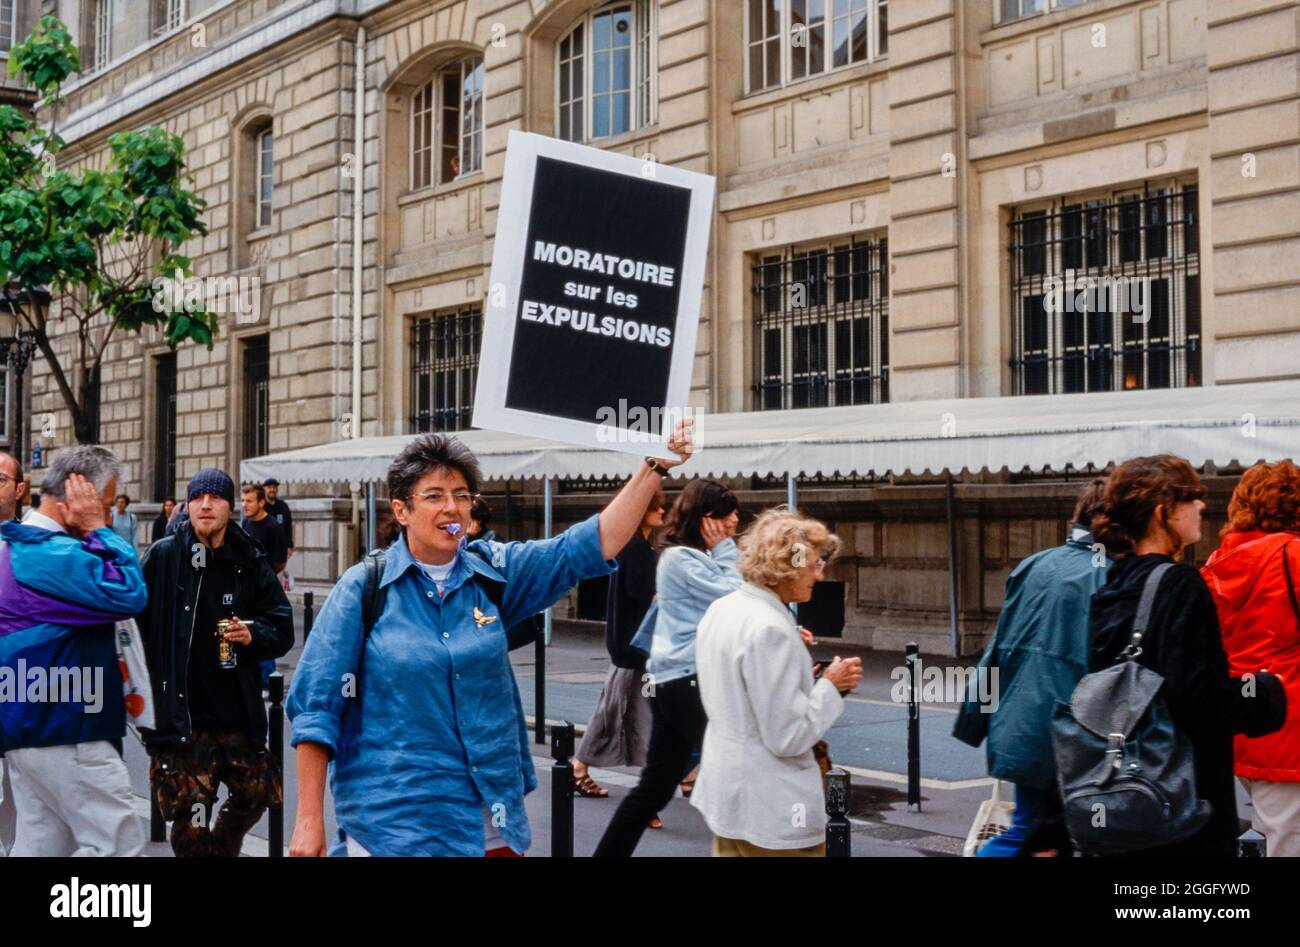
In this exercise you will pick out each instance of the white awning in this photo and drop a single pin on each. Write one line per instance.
(1220, 425)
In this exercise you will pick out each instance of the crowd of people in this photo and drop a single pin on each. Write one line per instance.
(77, 607)
(404, 700)
(1225, 640)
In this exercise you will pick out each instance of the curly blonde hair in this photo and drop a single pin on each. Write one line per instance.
(780, 543)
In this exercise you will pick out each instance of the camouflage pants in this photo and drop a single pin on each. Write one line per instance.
(184, 782)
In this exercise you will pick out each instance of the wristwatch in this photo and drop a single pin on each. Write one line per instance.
(657, 467)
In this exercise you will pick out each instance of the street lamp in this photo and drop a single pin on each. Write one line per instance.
(17, 346)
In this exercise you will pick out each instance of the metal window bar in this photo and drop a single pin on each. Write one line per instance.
(821, 325)
(1105, 294)
(444, 370)
(257, 396)
(164, 457)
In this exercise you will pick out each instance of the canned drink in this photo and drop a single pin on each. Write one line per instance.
(226, 657)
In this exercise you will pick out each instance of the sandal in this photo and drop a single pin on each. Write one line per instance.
(588, 788)
(655, 823)
(687, 786)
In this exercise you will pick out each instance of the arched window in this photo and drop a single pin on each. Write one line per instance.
(606, 71)
(447, 124)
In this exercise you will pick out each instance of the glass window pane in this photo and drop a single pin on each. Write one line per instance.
(840, 42)
(600, 116)
(623, 69)
(859, 52)
(622, 112)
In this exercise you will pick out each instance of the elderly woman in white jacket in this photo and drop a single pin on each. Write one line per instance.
(759, 788)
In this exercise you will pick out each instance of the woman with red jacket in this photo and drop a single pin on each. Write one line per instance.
(1254, 577)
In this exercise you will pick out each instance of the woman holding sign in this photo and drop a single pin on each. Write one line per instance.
(404, 693)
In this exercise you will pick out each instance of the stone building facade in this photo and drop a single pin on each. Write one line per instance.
(900, 185)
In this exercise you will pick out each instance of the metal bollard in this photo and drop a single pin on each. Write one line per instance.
(838, 841)
(275, 721)
(157, 825)
(913, 730)
(308, 614)
(1252, 845)
(562, 790)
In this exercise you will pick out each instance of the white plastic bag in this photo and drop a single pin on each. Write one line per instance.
(136, 685)
(993, 818)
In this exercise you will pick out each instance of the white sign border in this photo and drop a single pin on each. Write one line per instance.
(508, 255)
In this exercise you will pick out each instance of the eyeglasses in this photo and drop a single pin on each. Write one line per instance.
(820, 563)
(5, 478)
(437, 498)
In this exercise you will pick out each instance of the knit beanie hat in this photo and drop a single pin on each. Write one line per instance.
(214, 481)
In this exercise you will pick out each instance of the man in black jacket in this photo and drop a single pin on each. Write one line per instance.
(210, 720)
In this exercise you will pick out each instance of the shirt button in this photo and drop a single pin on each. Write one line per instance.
(458, 677)
(430, 594)
(473, 769)
(446, 635)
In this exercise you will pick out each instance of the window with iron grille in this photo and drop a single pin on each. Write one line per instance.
(821, 325)
(257, 396)
(1106, 292)
(164, 449)
(444, 369)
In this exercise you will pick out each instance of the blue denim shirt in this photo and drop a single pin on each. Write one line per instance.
(428, 731)
(688, 582)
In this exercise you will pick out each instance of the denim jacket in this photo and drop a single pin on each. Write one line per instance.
(689, 581)
(427, 733)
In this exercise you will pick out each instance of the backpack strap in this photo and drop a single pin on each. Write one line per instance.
(1290, 582)
(373, 598)
(373, 595)
(1145, 604)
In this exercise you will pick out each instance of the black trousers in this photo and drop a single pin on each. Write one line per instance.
(676, 731)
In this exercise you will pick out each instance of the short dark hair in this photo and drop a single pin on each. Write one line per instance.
(123, 496)
(701, 498)
(481, 513)
(18, 467)
(255, 488)
(427, 453)
(1089, 502)
(171, 500)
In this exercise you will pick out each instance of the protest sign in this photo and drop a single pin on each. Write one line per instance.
(594, 298)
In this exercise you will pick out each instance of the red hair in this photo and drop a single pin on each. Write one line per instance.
(1267, 500)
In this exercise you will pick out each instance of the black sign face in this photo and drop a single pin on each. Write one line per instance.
(598, 296)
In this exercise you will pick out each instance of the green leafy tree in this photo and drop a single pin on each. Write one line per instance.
(98, 241)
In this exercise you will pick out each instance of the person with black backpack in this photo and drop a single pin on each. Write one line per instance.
(1151, 513)
(404, 693)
